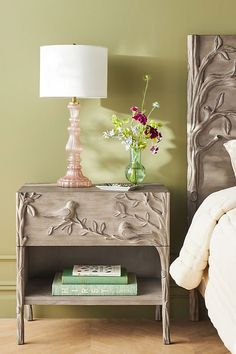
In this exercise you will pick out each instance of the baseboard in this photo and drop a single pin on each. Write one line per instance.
(7, 272)
(7, 286)
(7, 258)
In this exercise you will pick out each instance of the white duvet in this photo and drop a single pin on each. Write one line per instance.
(211, 239)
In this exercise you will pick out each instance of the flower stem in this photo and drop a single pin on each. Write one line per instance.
(144, 93)
(150, 112)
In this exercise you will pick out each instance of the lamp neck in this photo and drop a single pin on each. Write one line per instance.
(74, 100)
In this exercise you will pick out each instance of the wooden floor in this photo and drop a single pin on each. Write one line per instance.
(93, 336)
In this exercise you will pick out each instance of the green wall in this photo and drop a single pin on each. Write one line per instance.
(143, 36)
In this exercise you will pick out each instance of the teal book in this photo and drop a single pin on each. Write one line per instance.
(94, 289)
(68, 278)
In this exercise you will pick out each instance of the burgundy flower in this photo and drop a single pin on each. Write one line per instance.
(152, 132)
(134, 109)
(140, 117)
(154, 149)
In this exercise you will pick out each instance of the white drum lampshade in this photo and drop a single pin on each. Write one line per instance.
(74, 71)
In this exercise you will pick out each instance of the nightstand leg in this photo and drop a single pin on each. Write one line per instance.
(20, 294)
(166, 322)
(29, 312)
(194, 305)
(164, 257)
(158, 313)
(20, 325)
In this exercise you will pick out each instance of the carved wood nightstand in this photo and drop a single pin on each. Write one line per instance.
(59, 227)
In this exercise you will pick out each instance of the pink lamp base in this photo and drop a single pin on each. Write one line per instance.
(74, 177)
(74, 181)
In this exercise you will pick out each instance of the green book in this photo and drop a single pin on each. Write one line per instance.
(68, 278)
(94, 289)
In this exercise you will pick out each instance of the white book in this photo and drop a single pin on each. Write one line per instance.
(97, 270)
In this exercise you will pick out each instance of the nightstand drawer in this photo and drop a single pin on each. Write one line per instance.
(89, 216)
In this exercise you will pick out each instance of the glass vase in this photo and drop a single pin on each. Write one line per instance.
(135, 171)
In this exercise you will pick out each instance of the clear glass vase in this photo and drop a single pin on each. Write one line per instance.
(135, 171)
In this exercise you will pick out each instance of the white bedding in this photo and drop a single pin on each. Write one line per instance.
(212, 239)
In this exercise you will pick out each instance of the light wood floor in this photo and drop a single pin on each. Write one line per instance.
(93, 336)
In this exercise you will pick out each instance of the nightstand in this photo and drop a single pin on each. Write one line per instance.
(59, 227)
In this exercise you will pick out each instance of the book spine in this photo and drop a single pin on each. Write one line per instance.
(93, 290)
(66, 279)
(101, 274)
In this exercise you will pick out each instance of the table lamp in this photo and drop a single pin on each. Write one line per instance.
(73, 71)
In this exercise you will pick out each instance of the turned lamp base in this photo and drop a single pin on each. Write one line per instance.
(74, 177)
(74, 182)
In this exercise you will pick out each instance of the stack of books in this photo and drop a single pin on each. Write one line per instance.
(95, 280)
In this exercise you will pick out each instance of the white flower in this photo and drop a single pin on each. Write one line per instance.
(109, 134)
(127, 142)
(105, 135)
(156, 105)
(135, 130)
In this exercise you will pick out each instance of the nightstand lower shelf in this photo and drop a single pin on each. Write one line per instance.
(38, 292)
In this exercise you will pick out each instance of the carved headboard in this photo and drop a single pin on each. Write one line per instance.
(211, 120)
(211, 115)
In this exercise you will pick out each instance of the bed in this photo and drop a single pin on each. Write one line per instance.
(211, 181)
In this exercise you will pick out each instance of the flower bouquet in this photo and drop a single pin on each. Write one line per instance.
(136, 132)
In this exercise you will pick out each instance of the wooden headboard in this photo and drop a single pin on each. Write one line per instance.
(211, 119)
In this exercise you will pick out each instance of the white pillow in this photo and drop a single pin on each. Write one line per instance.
(231, 148)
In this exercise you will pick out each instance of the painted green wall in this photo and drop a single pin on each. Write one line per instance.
(143, 36)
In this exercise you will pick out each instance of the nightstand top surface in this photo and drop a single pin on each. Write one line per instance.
(45, 188)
